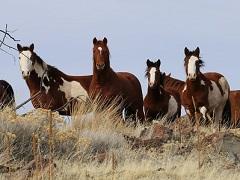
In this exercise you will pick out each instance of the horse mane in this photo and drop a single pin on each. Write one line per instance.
(38, 59)
(146, 73)
(50, 68)
(201, 62)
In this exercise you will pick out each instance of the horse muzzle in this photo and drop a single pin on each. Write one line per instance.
(100, 66)
(25, 75)
(152, 85)
(192, 76)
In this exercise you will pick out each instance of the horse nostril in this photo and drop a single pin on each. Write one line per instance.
(100, 66)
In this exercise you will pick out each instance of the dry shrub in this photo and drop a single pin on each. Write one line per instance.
(91, 145)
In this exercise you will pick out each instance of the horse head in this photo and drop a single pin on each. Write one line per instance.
(192, 63)
(153, 73)
(101, 54)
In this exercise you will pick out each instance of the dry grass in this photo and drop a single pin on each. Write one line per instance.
(92, 146)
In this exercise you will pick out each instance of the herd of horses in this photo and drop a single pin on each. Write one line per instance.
(207, 94)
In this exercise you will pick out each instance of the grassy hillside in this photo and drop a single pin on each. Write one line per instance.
(97, 145)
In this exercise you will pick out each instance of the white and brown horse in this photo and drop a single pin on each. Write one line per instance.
(209, 91)
(6, 95)
(158, 102)
(109, 84)
(55, 87)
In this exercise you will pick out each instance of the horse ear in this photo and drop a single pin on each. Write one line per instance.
(105, 40)
(148, 62)
(94, 40)
(32, 47)
(158, 63)
(186, 51)
(19, 47)
(197, 52)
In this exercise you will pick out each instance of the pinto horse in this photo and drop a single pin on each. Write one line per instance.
(56, 88)
(109, 84)
(158, 102)
(6, 95)
(206, 93)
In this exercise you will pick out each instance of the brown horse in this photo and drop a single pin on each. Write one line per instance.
(56, 88)
(158, 102)
(209, 91)
(172, 85)
(109, 84)
(6, 95)
(234, 98)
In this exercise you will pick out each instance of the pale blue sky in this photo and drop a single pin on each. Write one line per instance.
(62, 31)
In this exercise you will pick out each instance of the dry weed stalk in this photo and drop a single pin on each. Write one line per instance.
(50, 145)
(35, 153)
(197, 119)
(114, 164)
(9, 138)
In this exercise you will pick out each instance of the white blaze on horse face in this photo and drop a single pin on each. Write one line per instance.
(152, 78)
(26, 64)
(73, 89)
(100, 50)
(191, 67)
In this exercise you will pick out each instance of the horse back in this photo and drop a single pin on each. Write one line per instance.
(130, 83)
(220, 81)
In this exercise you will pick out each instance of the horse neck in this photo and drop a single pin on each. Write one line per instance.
(35, 78)
(172, 84)
(194, 85)
(103, 76)
(155, 92)
(33, 82)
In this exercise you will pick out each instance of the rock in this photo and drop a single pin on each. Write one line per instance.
(224, 142)
(156, 131)
(137, 143)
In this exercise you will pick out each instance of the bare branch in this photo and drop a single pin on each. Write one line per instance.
(7, 34)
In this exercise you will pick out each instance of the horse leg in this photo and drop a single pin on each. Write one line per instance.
(218, 116)
(204, 112)
(134, 114)
(140, 115)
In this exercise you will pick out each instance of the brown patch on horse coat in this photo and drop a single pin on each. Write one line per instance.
(172, 85)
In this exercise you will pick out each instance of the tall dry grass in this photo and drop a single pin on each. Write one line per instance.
(92, 146)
